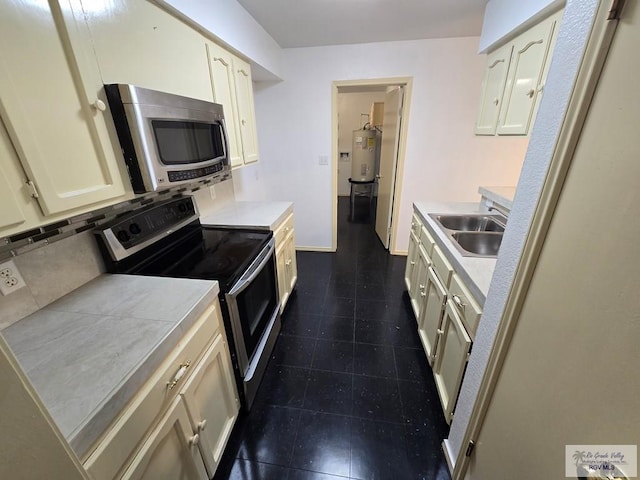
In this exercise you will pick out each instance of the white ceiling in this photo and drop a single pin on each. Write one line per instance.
(308, 23)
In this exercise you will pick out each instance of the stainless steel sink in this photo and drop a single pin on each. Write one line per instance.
(471, 223)
(474, 234)
(484, 244)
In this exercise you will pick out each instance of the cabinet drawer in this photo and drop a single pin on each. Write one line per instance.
(125, 434)
(283, 230)
(442, 266)
(466, 305)
(427, 240)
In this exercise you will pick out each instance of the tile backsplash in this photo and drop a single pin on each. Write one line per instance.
(58, 258)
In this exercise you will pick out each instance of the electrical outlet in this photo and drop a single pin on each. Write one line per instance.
(10, 278)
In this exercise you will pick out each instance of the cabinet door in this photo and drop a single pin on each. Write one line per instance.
(430, 321)
(291, 263)
(452, 354)
(525, 73)
(53, 105)
(11, 201)
(419, 282)
(212, 402)
(170, 452)
(246, 113)
(224, 92)
(411, 262)
(545, 70)
(281, 271)
(493, 84)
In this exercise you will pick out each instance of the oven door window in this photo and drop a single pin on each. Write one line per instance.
(256, 306)
(184, 142)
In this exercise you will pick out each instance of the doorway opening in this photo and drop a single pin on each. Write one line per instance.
(368, 142)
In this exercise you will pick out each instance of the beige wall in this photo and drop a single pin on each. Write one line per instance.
(444, 160)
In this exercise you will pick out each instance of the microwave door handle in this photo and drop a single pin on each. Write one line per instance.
(250, 275)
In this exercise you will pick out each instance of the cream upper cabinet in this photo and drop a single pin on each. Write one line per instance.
(495, 77)
(53, 106)
(525, 78)
(246, 114)
(514, 79)
(232, 87)
(224, 92)
(11, 199)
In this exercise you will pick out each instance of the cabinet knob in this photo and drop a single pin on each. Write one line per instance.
(421, 287)
(193, 441)
(531, 93)
(288, 262)
(496, 102)
(202, 425)
(99, 105)
(458, 301)
(413, 224)
(243, 121)
(412, 263)
(423, 294)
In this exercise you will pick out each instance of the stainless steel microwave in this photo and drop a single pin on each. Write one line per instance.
(167, 139)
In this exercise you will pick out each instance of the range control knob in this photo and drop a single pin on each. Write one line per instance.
(135, 229)
(123, 236)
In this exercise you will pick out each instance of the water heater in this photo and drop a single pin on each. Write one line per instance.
(363, 160)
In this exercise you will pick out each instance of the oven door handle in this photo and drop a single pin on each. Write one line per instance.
(254, 269)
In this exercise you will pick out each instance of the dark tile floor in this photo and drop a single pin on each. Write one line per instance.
(348, 392)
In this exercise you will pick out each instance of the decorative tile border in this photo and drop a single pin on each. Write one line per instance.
(29, 240)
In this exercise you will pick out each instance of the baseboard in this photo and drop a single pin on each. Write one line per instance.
(315, 249)
(448, 455)
(402, 253)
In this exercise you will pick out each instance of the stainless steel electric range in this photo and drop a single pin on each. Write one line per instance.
(167, 240)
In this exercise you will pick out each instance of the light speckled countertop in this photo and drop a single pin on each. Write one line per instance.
(88, 353)
(264, 215)
(476, 272)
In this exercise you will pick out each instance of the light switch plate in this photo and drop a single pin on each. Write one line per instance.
(323, 160)
(10, 278)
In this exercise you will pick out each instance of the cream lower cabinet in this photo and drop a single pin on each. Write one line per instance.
(286, 263)
(232, 87)
(418, 262)
(412, 257)
(430, 319)
(177, 425)
(453, 348)
(447, 315)
(171, 450)
(212, 402)
(53, 106)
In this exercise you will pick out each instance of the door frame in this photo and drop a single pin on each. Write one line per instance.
(592, 63)
(407, 83)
